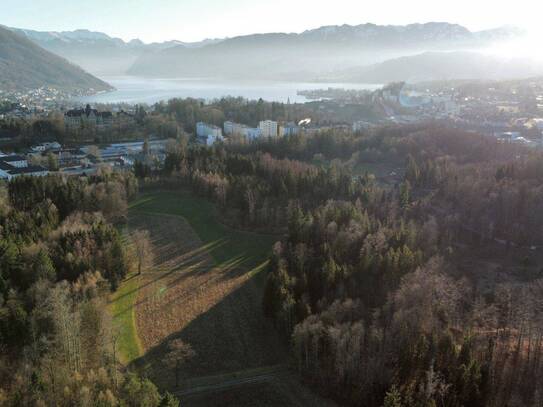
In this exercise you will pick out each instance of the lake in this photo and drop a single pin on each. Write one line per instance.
(144, 90)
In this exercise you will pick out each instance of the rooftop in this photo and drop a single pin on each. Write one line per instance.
(27, 170)
(12, 158)
(5, 166)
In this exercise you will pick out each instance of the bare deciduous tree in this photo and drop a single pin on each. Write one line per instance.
(179, 353)
(144, 249)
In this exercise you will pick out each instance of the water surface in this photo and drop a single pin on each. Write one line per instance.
(150, 91)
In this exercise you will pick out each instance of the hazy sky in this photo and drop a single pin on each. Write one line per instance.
(192, 20)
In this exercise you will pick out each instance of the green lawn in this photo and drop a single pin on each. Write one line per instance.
(224, 243)
(122, 310)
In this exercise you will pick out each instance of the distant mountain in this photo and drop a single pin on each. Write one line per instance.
(305, 55)
(25, 66)
(432, 66)
(97, 52)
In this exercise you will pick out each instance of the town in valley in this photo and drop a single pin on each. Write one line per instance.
(271, 204)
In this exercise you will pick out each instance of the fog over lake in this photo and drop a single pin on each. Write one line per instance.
(150, 91)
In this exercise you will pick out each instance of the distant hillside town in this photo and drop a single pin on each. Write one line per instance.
(79, 140)
(51, 157)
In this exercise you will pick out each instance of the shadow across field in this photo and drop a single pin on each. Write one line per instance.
(205, 288)
(232, 335)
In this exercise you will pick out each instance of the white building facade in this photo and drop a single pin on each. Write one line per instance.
(205, 129)
(288, 129)
(268, 128)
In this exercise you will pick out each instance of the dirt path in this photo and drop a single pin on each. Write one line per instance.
(268, 386)
(234, 379)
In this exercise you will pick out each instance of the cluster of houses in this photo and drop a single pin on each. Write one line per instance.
(208, 134)
(85, 160)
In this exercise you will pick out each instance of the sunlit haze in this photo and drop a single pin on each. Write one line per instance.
(191, 20)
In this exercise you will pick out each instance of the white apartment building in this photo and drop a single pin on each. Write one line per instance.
(288, 129)
(228, 128)
(268, 128)
(231, 128)
(204, 129)
(209, 140)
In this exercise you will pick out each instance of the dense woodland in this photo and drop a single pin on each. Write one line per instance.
(420, 286)
(60, 256)
(370, 284)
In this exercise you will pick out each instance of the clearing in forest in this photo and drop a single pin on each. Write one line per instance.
(205, 288)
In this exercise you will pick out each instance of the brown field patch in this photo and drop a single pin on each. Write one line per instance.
(214, 307)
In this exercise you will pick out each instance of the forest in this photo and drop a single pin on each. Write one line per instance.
(417, 285)
(60, 256)
(421, 292)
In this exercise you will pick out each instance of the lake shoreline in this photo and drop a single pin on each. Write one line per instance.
(140, 90)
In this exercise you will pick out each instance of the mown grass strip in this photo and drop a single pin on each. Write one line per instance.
(122, 308)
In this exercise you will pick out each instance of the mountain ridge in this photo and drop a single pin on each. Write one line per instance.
(25, 66)
(440, 66)
(283, 56)
(98, 52)
(312, 52)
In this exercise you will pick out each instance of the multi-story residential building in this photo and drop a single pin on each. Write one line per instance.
(237, 129)
(288, 129)
(252, 133)
(205, 129)
(123, 120)
(209, 140)
(77, 119)
(268, 128)
(208, 134)
(228, 128)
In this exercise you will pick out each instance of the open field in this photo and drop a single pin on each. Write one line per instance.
(205, 288)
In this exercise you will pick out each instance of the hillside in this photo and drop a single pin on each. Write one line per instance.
(97, 52)
(313, 52)
(437, 66)
(25, 66)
